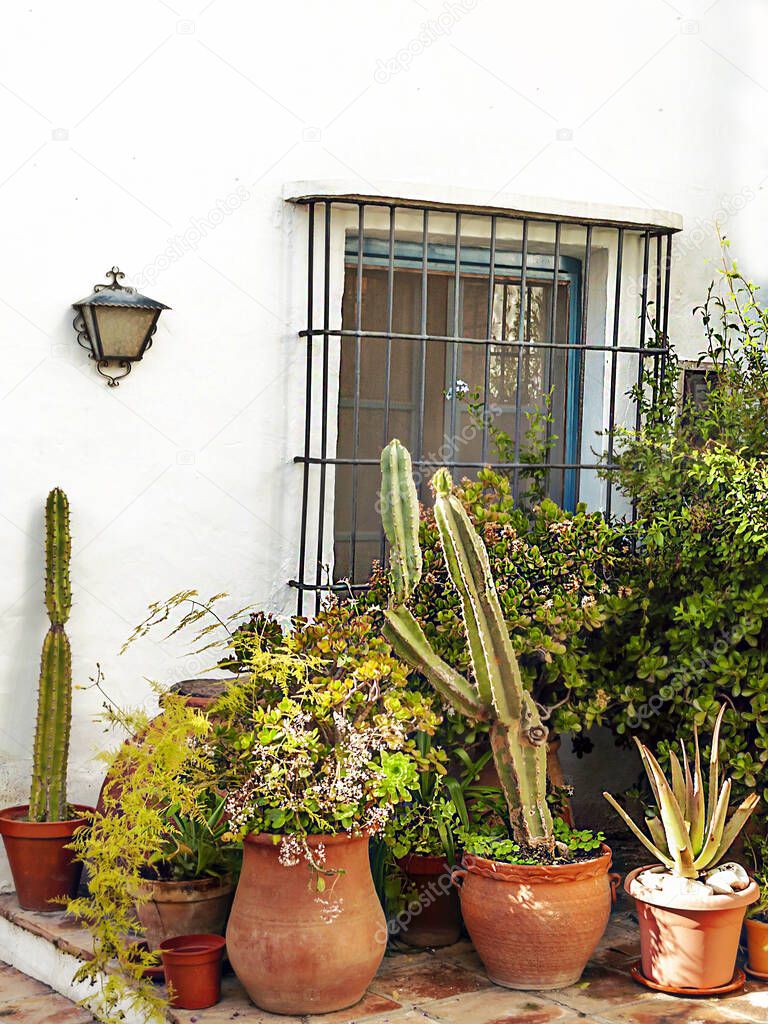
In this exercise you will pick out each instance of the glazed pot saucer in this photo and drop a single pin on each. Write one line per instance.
(755, 974)
(736, 982)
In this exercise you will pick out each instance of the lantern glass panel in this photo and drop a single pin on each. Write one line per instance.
(123, 330)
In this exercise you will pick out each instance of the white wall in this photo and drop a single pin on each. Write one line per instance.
(126, 129)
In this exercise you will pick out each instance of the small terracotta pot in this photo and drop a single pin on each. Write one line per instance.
(432, 917)
(535, 927)
(297, 951)
(192, 965)
(43, 869)
(757, 946)
(690, 946)
(196, 907)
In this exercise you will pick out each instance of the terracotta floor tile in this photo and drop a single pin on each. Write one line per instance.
(14, 985)
(669, 1010)
(235, 1006)
(600, 987)
(370, 1005)
(751, 1002)
(501, 1006)
(440, 979)
(48, 1009)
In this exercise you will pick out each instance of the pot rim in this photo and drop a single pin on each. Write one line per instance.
(540, 873)
(207, 949)
(172, 891)
(12, 825)
(314, 839)
(754, 922)
(424, 863)
(717, 901)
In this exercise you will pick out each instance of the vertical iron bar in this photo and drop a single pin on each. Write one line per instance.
(550, 358)
(520, 340)
(356, 398)
(324, 414)
(665, 318)
(612, 409)
(307, 406)
(583, 335)
(657, 318)
(423, 347)
(455, 347)
(643, 316)
(488, 340)
(388, 351)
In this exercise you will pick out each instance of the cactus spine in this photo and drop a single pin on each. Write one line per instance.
(48, 798)
(518, 737)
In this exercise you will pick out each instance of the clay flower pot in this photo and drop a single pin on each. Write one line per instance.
(192, 965)
(535, 927)
(432, 918)
(197, 907)
(297, 951)
(757, 946)
(43, 869)
(694, 943)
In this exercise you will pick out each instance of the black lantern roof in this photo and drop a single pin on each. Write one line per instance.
(116, 294)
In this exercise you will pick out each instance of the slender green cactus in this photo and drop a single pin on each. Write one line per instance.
(518, 737)
(48, 798)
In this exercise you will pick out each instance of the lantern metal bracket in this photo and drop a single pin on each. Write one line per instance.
(113, 380)
(114, 285)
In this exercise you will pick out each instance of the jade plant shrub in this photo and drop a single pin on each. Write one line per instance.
(692, 631)
(556, 575)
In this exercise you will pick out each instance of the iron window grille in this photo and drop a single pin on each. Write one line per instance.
(442, 325)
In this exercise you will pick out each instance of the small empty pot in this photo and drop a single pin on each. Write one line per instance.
(192, 965)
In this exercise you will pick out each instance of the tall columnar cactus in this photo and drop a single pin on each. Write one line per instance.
(48, 798)
(497, 694)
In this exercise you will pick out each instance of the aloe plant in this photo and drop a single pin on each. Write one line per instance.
(496, 693)
(689, 834)
(48, 797)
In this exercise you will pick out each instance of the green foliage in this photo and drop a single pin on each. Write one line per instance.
(193, 845)
(693, 830)
(161, 775)
(318, 739)
(692, 631)
(48, 795)
(557, 575)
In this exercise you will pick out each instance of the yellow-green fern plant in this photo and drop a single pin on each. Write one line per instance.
(166, 764)
(691, 832)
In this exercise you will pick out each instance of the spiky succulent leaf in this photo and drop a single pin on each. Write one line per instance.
(734, 825)
(670, 812)
(659, 836)
(714, 767)
(697, 820)
(638, 832)
(715, 829)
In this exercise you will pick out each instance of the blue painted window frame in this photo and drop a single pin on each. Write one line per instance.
(540, 267)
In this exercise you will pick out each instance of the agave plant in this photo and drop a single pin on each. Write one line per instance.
(690, 833)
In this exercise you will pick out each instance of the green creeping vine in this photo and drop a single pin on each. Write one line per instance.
(518, 737)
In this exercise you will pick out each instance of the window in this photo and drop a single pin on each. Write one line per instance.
(476, 337)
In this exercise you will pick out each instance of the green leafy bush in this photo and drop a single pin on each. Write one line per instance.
(693, 630)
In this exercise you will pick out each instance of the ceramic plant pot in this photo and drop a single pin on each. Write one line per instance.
(694, 943)
(43, 869)
(432, 917)
(535, 927)
(192, 966)
(757, 946)
(297, 951)
(184, 908)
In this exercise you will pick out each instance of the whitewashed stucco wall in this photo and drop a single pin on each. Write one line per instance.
(160, 136)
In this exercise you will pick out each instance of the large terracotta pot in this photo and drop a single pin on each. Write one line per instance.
(757, 946)
(184, 908)
(535, 927)
(297, 951)
(432, 917)
(43, 869)
(689, 945)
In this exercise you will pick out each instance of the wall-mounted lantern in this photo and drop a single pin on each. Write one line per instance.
(115, 324)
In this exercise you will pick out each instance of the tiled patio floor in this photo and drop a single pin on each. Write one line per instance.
(443, 987)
